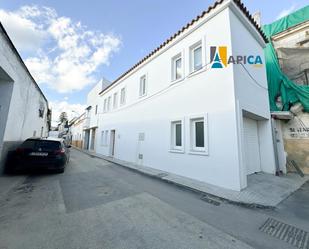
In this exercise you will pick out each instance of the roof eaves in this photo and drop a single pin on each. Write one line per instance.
(239, 4)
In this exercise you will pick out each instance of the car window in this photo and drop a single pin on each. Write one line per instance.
(48, 145)
(29, 144)
(43, 145)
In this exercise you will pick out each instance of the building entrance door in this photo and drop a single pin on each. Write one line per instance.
(112, 143)
(92, 139)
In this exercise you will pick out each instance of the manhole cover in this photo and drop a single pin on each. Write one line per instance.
(290, 234)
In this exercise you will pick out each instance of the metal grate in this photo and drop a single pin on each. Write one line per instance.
(290, 234)
(161, 175)
(210, 200)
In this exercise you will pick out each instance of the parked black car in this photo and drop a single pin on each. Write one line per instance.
(41, 153)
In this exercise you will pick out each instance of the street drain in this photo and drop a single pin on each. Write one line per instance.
(161, 175)
(290, 234)
(210, 201)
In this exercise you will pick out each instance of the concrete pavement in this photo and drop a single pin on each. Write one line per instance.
(97, 204)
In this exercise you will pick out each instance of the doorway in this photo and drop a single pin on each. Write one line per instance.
(112, 143)
(86, 139)
(93, 131)
(252, 147)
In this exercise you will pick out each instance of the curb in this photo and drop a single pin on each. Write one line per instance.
(197, 191)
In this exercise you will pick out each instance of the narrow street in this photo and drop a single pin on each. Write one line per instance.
(96, 204)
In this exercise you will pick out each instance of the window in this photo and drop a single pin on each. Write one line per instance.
(109, 100)
(115, 101)
(105, 105)
(96, 109)
(196, 57)
(142, 86)
(177, 67)
(198, 134)
(177, 135)
(123, 96)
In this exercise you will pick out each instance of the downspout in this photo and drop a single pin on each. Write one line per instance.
(274, 136)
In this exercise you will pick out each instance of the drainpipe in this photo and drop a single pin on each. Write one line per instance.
(274, 136)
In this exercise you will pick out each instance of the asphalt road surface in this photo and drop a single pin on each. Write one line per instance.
(97, 204)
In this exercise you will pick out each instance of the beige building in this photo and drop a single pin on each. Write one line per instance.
(292, 47)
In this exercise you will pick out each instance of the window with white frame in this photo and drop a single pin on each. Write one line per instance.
(196, 60)
(105, 105)
(109, 100)
(142, 86)
(102, 138)
(115, 101)
(96, 109)
(123, 96)
(177, 135)
(177, 67)
(198, 133)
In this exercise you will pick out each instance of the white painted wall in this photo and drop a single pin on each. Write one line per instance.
(204, 93)
(76, 128)
(251, 96)
(91, 115)
(209, 92)
(23, 119)
(93, 100)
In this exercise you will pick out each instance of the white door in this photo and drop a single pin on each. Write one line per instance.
(252, 151)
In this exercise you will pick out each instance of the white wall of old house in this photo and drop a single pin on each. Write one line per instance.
(22, 120)
(93, 100)
(143, 124)
(77, 128)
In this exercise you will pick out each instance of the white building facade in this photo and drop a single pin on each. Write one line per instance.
(172, 111)
(92, 114)
(77, 130)
(23, 107)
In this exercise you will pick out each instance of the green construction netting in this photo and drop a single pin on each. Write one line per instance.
(278, 83)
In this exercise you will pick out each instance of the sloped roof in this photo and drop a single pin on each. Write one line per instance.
(238, 3)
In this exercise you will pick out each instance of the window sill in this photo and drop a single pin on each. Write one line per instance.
(177, 81)
(197, 72)
(201, 153)
(177, 151)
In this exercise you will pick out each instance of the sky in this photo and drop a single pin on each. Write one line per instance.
(69, 45)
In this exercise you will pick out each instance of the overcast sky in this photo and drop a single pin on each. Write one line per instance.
(69, 45)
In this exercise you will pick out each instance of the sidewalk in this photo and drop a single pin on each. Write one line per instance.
(263, 191)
